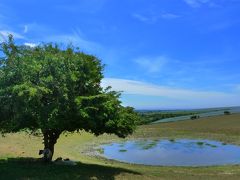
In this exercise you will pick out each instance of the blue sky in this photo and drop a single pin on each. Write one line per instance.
(162, 54)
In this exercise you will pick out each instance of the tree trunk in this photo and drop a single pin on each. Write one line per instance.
(49, 140)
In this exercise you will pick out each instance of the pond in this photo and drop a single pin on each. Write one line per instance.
(181, 152)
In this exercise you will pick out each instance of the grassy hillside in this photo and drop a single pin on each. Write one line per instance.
(148, 117)
(18, 150)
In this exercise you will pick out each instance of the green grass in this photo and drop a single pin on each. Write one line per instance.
(211, 145)
(100, 150)
(18, 153)
(148, 117)
(28, 168)
(122, 150)
(200, 143)
(150, 145)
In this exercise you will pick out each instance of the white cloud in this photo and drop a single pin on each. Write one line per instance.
(152, 65)
(193, 3)
(4, 35)
(154, 18)
(44, 34)
(177, 95)
(198, 3)
(143, 18)
(30, 44)
(38, 29)
(169, 16)
(77, 40)
(25, 30)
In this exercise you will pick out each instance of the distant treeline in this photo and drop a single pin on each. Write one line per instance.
(148, 117)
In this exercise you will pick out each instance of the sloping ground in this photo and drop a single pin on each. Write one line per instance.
(225, 127)
(229, 124)
(14, 147)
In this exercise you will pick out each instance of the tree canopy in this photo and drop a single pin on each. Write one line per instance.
(57, 90)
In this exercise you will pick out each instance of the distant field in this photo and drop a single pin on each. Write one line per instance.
(179, 115)
(225, 127)
(14, 147)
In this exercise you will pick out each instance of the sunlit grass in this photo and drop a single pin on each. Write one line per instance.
(79, 147)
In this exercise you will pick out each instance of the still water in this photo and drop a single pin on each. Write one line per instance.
(181, 152)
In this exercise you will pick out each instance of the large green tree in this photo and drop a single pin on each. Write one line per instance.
(57, 90)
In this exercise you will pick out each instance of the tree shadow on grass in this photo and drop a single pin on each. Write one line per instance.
(30, 168)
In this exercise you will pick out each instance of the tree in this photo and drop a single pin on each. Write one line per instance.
(57, 90)
(227, 112)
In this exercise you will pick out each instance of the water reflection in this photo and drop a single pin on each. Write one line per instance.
(182, 152)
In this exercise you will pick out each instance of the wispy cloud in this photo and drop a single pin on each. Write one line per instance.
(187, 72)
(37, 29)
(75, 39)
(153, 18)
(25, 30)
(142, 88)
(152, 64)
(30, 44)
(193, 3)
(169, 16)
(143, 18)
(5, 33)
(199, 3)
(35, 33)
(198, 98)
(5, 28)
